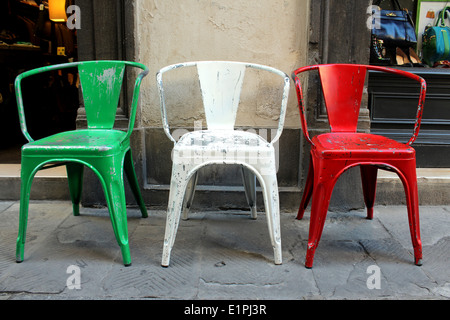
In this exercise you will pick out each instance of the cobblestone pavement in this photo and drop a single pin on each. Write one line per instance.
(222, 255)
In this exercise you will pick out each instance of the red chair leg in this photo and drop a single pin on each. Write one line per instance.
(412, 202)
(369, 185)
(307, 193)
(319, 207)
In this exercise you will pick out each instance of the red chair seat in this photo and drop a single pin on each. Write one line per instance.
(360, 146)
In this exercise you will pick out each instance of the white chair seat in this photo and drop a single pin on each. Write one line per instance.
(227, 145)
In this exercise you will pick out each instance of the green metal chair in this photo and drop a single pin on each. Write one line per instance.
(99, 147)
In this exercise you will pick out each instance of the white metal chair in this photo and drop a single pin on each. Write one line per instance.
(221, 84)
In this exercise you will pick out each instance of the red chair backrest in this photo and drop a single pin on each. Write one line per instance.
(342, 87)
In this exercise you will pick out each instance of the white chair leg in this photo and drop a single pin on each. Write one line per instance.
(249, 180)
(189, 196)
(178, 184)
(272, 204)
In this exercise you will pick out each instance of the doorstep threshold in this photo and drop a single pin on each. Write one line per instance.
(422, 173)
(13, 171)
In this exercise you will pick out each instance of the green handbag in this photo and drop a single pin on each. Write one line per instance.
(436, 41)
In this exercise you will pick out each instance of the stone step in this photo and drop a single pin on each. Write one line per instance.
(433, 185)
(51, 184)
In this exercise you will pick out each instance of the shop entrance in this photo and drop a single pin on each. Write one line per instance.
(393, 101)
(29, 39)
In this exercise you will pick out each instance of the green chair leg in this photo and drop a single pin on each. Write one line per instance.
(26, 175)
(115, 198)
(132, 180)
(23, 219)
(75, 178)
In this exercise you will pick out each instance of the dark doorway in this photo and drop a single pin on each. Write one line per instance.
(28, 40)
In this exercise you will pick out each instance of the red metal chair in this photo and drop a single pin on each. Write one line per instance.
(342, 148)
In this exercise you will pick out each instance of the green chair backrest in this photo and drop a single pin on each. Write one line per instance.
(101, 83)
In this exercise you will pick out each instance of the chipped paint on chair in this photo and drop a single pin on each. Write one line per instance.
(99, 147)
(343, 148)
(220, 143)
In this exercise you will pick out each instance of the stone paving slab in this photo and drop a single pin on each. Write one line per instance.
(223, 255)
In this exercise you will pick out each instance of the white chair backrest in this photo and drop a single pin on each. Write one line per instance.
(221, 84)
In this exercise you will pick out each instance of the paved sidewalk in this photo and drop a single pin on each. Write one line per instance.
(223, 256)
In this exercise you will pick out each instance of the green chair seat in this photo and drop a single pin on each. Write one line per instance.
(78, 142)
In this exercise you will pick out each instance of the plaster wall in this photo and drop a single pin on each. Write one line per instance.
(273, 33)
